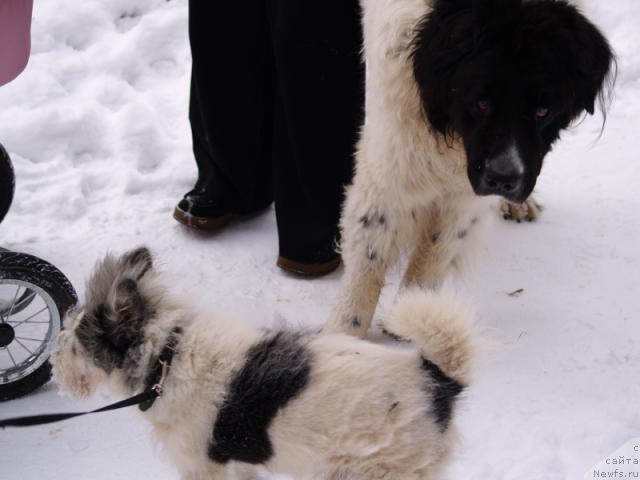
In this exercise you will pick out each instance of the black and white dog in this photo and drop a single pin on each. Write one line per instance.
(464, 100)
(236, 397)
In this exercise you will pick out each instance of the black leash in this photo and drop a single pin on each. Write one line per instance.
(57, 417)
(154, 384)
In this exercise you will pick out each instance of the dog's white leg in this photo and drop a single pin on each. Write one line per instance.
(447, 237)
(433, 253)
(369, 247)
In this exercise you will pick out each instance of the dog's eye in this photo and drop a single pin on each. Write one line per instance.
(542, 113)
(483, 105)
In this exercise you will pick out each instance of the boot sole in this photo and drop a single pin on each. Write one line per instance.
(209, 224)
(308, 269)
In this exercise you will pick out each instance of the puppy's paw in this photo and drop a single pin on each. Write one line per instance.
(528, 211)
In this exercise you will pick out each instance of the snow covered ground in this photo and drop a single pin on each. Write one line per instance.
(97, 128)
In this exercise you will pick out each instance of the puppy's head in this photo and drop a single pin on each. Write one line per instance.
(506, 76)
(104, 336)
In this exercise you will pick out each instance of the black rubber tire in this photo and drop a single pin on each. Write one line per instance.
(7, 182)
(21, 266)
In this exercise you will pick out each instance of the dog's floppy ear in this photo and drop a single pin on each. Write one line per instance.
(140, 258)
(594, 61)
(560, 30)
(443, 37)
(129, 315)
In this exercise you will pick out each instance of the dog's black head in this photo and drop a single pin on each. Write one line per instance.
(507, 76)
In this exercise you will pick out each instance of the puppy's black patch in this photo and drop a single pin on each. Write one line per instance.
(443, 393)
(276, 370)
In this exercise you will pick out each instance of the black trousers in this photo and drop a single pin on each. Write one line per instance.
(277, 97)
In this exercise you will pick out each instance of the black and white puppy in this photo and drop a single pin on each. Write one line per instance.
(464, 100)
(237, 397)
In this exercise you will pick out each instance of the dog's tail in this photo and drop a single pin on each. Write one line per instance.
(441, 327)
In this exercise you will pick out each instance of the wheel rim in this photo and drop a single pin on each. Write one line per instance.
(35, 324)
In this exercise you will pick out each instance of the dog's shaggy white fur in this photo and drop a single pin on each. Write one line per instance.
(410, 193)
(338, 407)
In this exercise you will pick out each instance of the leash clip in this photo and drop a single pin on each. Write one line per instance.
(159, 387)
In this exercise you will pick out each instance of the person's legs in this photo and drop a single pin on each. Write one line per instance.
(320, 80)
(231, 111)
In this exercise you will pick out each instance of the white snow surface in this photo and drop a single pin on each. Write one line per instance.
(97, 128)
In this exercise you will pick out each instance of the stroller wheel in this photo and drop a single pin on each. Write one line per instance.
(34, 296)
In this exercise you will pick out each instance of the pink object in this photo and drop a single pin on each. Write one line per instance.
(15, 37)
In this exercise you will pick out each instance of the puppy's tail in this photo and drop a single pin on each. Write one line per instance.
(441, 327)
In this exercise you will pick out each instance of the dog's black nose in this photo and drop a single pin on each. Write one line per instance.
(501, 184)
(503, 174)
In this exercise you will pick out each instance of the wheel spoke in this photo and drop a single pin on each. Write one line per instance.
(24, 346)
(27, 321)
(29, 318)
(11, 356)
(23, 300)
(31, 339)
(13, 304)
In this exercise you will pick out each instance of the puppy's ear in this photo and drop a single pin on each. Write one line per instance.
(140, 258)
(129, 315)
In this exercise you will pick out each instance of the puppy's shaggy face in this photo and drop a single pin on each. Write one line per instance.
(73, 367)
(102, 337)
(507, 77)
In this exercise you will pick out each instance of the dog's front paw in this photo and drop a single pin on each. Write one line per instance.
(528, 211)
